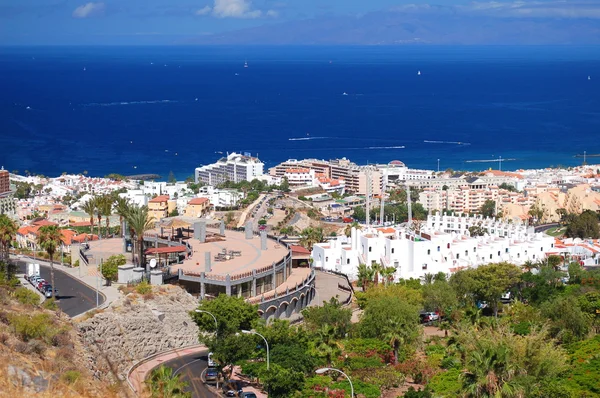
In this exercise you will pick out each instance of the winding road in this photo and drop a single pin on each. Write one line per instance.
(191, 367)
(74, 296)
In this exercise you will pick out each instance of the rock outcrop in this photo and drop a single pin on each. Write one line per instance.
(135, 326)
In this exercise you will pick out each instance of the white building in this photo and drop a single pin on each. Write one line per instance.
(135, 196)
(221, 197)
(235, 167)
(443, 245)
(152, 188)
(397, 172)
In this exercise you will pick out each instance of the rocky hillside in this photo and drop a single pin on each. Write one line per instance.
(143, 322)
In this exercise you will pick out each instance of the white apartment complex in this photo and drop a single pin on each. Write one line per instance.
(234, 167)
(443, 245)
(357, 179)
(221, 197)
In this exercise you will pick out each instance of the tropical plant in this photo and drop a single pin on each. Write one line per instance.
(105, 206)
(163, 383)
(348, 228)
(139, 222)
(90, 208)
(365, 275)
(122, 207)
(50, 239)
(310, 236)
(8, 231)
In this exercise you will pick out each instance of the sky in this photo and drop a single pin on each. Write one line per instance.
(166, 21)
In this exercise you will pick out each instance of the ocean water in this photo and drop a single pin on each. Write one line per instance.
(134, 110)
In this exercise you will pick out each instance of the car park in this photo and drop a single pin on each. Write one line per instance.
(233, 388)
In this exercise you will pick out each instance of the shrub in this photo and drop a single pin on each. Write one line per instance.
(71, 376)
(50, 304)
(36, 347)
(20, 347)
(143, 288)
(28, 327)
(148, 296)
(446, 384)
(76, 263)
(62, 339)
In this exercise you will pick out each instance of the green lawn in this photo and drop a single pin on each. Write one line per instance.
(556, 231)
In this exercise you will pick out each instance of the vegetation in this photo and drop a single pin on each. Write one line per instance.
(584, 226)
(488, 208)
(163, 383)
(50, 239)
(8, 231)
(110, 268)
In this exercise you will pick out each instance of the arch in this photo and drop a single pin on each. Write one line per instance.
(270, 313)
(260, 312)
(283, 309)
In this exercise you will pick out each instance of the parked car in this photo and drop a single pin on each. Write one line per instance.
(211, 375)
(211, 362)
(47, 290)
(233, 388)
(428, 317)
(33, 280)
(40, 283)
(248, 395)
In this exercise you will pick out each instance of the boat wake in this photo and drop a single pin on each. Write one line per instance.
(447, 142)
(307, 138)
(489, 160)
(386, 147)
(130, 103)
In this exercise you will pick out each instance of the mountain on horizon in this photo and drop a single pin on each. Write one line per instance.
(419, 25)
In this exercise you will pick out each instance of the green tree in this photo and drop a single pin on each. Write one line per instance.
(163, 383)
(8, 232)
(326, 345)
(50, 239)
(488, 208)
(104, 206)
(391, 319)
(110, 268)
(310, 236)
(569, 322)
(494, 280)
(174, 213)
(139, 223)
(233, 314)
(508, 187)
(439, 296)
(122, 206)
(584, 226)
(282, 382)
(90, 207)
(348, 228)
(330, 313)
(477, 230)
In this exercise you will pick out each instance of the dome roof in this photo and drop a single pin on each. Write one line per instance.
(397, 163)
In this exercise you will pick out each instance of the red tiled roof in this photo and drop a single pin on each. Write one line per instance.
(163, 250)
(160, 198)
(299, 249)
(42, 223)
(81, 224)
(197, 201)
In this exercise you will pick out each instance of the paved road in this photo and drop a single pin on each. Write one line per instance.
(75, 297)
(191, 368)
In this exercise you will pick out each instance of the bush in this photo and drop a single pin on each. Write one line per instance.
(143, 288)
(71, 376)
(28, 327)
(26, 296)
(62, 339)
(36, 347)
(50, 304)
(76, 263)
(446, 384)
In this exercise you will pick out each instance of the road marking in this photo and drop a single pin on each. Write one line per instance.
(189, 363)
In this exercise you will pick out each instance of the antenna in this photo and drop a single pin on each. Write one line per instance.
(153, 263)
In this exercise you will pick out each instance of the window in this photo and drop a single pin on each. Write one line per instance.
(534, 256)
(552, 245)
(490, 256)
(506, 250)
(424, 266)
(541, 249)
(392, 250)
(466, 252)
(428, 251)
(498, 253)
(438, 248)
(348, 261)
(474, 250)
(448, 246)
(518, 255)
(369, 249)
(457, 256)
(326, 259)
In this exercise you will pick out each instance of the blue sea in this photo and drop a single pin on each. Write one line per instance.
(134, 110)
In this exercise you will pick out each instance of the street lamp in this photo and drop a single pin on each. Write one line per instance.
(323, 370)
(263, 337)
(206, 312)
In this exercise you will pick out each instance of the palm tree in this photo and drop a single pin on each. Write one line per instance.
(428, 278)
(139, 222)
(105, 205)
(387, 274)
(348, 229)
(50, 239)
(163, 383)
(8, 231)
(365, 275)
(90, 208)
(377, 268)
(326, 344)
(122, 206)
(393, 333)
(309, 236)
(489, 373)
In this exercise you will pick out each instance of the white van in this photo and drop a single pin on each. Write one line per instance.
(211, 363)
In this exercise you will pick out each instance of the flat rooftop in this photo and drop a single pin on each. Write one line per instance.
(251, 258)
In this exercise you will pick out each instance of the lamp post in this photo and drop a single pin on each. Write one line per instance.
(263, 337)
(206, 312)
(323, 370)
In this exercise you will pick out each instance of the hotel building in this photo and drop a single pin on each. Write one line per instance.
(234, 167)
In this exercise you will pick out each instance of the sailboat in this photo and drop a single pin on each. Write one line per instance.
(419, 73)
(245, 64)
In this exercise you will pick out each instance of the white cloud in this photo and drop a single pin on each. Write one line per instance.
(537, 9)
(89, 10)
(204, 11)
(272, 14)
(239, 9)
